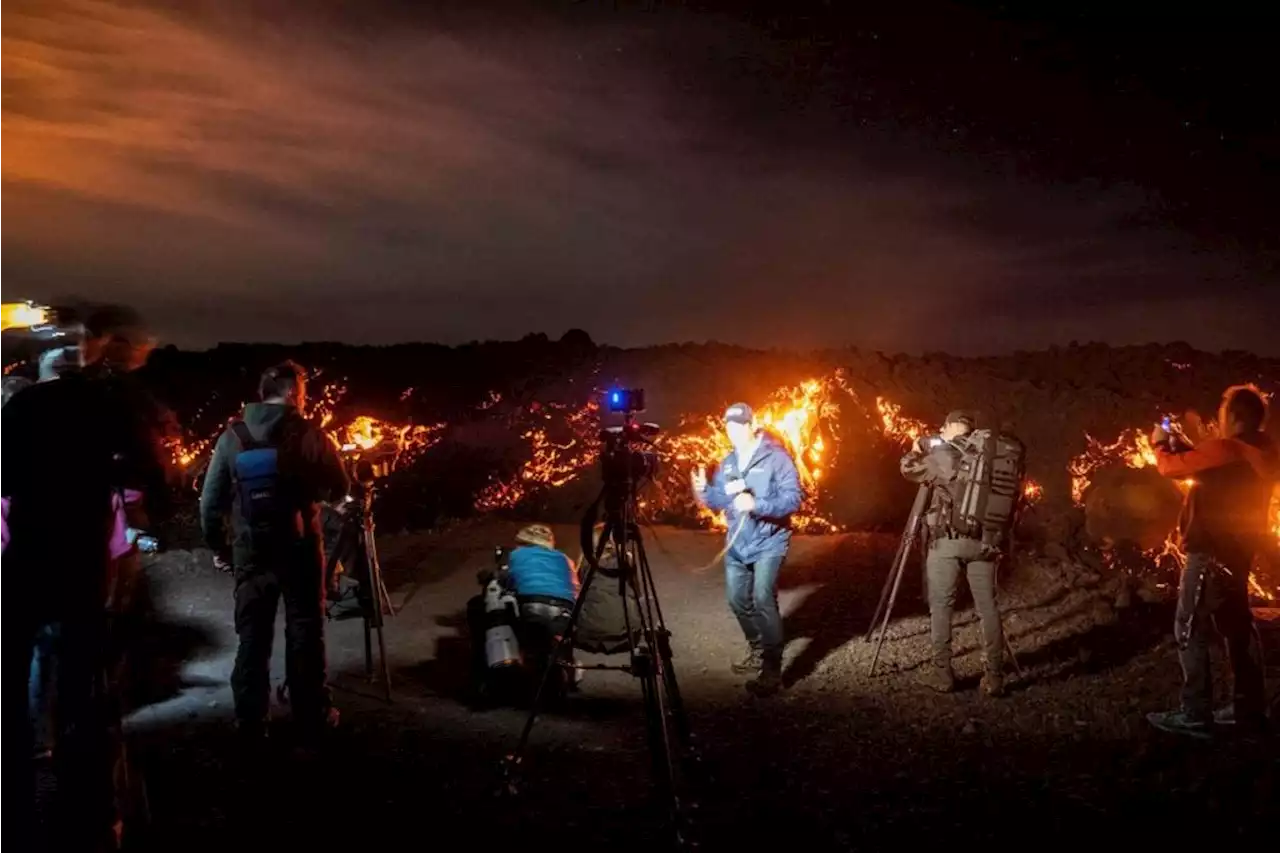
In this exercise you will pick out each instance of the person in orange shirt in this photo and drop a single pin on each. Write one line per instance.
(1224, 524)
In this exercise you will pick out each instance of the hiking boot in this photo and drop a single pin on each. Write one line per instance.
(992, 683)
(1180, 723)
(1251, 724)
(939, 678)
(750, 664)
(767, 683)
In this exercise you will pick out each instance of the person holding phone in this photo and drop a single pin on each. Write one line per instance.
(1224, 525)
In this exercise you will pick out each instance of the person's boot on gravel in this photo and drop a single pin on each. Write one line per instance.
(1181, 723)
(769, 681)
(749, 664)
(993, 683)
(938, 677)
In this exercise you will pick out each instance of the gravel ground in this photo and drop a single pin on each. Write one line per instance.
(839, 761)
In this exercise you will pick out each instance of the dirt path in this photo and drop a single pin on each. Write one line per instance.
(838, 761)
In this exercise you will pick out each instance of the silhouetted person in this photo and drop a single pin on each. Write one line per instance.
(758, 488)
(270, 470)
(1224, 526)
(70, 447)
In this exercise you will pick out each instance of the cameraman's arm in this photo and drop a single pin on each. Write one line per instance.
(215, 497)
(786, 495)
(940, 465)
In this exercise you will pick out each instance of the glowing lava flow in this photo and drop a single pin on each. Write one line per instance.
(552, 463)
(803, 417)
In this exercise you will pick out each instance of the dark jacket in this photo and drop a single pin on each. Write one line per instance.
(772, 479)
(1225, 513)
(60, 443)
(938, 467)
(311, 471)
(146, 463)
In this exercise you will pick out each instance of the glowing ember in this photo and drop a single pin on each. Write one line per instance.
(1032, 491)
(367, 433)
(901, 429)
(551, 463)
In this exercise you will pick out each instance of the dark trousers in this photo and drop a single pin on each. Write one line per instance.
(1210, 593)
(83, 811)
(753, 597)
(537, 630)
(258, 593)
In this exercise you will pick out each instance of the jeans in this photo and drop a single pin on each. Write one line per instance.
(753, 597)
(946, 559)
(42, 687)
(1207, 592)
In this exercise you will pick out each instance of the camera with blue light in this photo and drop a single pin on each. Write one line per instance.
(626, 400)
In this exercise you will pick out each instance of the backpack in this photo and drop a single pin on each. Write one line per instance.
(987, 492)
(263, 503)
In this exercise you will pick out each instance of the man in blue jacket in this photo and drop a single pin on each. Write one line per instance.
(758, 488)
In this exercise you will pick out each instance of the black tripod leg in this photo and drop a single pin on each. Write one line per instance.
(898, 571)
(888, 584)
(380, 599)
(917, 507)
(553, 663)
(659, 744)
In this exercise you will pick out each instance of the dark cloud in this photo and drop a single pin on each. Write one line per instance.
(374, 173)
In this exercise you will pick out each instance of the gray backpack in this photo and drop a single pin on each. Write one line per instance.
(987, 492)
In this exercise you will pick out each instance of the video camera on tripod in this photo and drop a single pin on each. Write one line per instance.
(627, 461)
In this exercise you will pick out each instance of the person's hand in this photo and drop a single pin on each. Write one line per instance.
(222, 562)
(744, 502)
(1158, 435)
(699, 479)
(734, 487)
(917, 446)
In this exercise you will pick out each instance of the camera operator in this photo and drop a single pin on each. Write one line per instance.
(546, 588)
(758, 488)
(270, 470)
(1224, 525)
(936, 461)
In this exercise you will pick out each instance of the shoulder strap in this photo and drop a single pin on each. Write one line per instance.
(246, 439)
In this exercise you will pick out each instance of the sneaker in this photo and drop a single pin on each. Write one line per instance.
(939, 678)
(749, 664)
(1225, 716)
(992, 684)
(1179, 723)
(767, 683)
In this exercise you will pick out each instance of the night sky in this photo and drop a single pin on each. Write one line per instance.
(925, 177)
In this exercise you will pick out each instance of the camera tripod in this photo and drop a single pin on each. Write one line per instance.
(911, 538)
(649, 649)
(357, 538)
